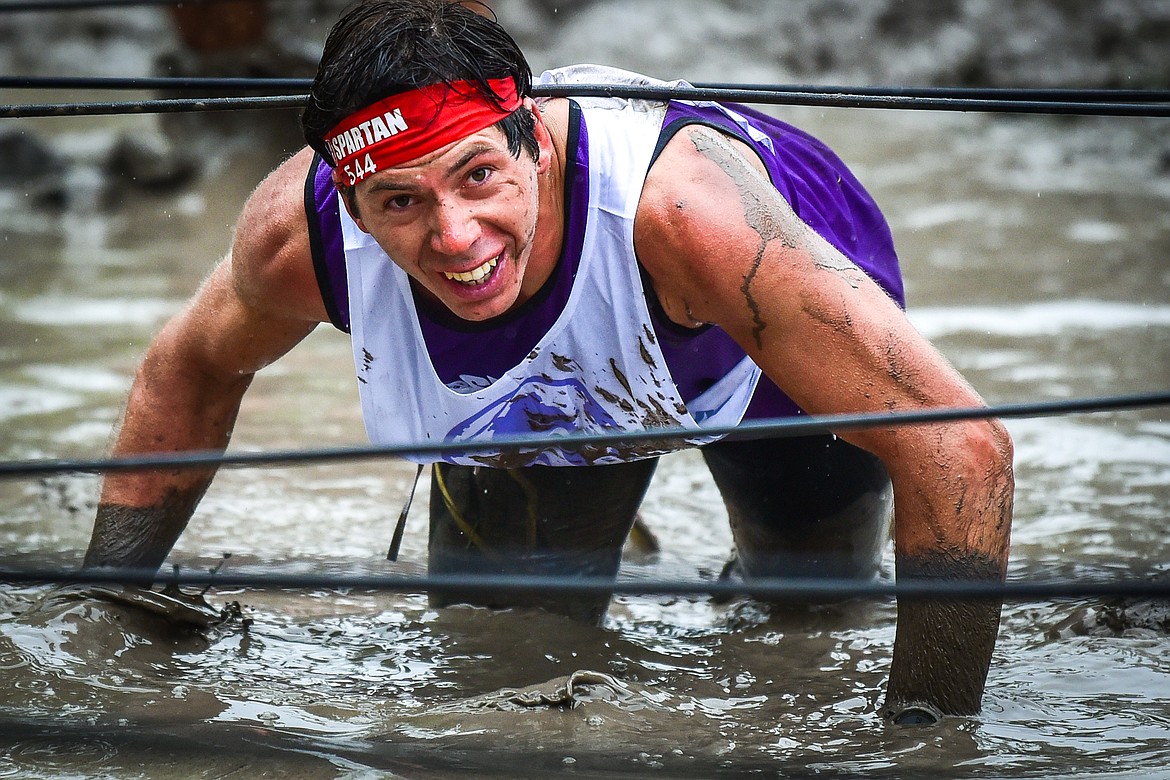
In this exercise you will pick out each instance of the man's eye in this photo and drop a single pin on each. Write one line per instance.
(398, 202)
(479, 175)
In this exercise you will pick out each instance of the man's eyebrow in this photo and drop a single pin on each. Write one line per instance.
(475, 150)
(393, 186)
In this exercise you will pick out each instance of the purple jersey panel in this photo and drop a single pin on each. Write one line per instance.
(321, 206)
(825, 194)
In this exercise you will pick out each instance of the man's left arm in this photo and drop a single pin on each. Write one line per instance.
(722, 246)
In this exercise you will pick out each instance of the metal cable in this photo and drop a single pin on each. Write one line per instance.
(744, 94)
(285, 86)
(158, 106)
(738, 94)
(800, 590)
(751, 429)
(279, 86)
(770, 588)
(1057, 94)
(15, 6)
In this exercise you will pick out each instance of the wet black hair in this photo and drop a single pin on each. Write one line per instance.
(380, 48)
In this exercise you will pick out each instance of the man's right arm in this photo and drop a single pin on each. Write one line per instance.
(259, 302)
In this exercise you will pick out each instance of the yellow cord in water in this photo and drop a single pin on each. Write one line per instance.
(463, 525)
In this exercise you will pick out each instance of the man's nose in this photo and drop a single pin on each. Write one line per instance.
(455, 228)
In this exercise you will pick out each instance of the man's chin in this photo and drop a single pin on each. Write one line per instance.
(480, 309)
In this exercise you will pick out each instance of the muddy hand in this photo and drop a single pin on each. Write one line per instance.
(176, 607)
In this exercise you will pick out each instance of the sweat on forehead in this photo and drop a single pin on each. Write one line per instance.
(407, 126)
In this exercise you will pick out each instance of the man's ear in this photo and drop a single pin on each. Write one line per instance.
(544, 142)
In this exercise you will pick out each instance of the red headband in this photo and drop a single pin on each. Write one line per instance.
(406, 126)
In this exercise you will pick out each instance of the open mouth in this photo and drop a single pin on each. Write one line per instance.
(475, 276)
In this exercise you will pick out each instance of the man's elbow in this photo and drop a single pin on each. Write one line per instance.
(995, 451)
(990, 454)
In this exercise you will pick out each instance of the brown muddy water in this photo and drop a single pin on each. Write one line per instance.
(1036, 257)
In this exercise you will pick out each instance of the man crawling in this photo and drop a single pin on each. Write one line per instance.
(595, 265)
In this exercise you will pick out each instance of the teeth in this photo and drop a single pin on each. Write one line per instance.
(475, 275)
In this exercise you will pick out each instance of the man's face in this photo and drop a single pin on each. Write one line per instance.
(461, 221)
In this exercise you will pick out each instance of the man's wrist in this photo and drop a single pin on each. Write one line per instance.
(913, 713)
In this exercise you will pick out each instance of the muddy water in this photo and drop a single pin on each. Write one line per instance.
(1036, 258)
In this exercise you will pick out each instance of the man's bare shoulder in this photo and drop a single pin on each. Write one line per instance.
(699, 180)
(272, 263)
(695, 231)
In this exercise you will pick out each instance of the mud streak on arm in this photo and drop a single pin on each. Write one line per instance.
(763, 214)
(759, 214)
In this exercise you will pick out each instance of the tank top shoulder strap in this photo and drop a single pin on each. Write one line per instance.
(679, 116)
(325, 241)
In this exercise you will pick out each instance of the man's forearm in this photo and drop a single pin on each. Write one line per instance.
(171, 409)
(140, 537)
(943, 647)
(142, 513)
(951, 524)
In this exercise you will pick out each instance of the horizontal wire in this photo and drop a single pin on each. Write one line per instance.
(1058, 94)
(281, 86)
(14, 6)
(739, 94)
(751, 429)
(159, 106)
(299, 85)
(771, 588)
(747, 94)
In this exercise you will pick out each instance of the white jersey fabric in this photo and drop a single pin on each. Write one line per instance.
(597, 370)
